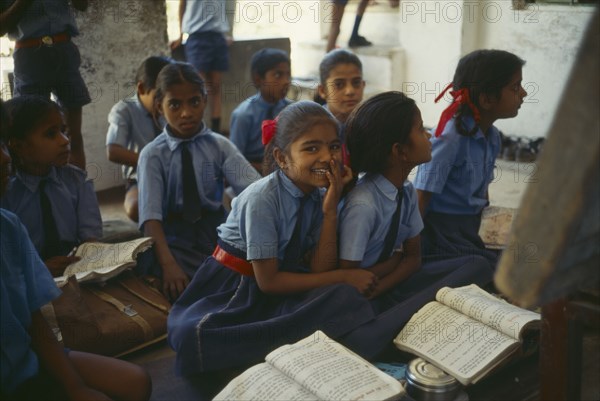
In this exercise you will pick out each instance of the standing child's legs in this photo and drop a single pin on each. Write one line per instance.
(355, 39)
(213, 83)
(208, 52)
(336, 20)
(118, 379)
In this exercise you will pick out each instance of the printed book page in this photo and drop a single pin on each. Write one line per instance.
(459, 345)
(263, 382)
(484, 307)
(332, 372)
(100, 261)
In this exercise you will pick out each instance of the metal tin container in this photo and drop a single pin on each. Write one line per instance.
(426, 382)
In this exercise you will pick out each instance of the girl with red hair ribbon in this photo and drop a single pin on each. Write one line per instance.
(273, 277)
(453, 186)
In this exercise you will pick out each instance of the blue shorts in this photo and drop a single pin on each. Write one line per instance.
(51, 69)
(207, 51)
(341, 2)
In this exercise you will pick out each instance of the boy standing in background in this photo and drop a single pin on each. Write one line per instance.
(207, 46)
(46, 60)
(336, 20)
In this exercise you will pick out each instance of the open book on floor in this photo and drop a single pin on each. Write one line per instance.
(100, 261)
(314, 368)
(468, 332)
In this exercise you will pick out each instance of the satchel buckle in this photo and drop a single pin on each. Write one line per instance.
(129, 311)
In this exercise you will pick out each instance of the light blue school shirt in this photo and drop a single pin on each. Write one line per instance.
(72, 198)
(25, 286)
(205, 16)
(366, 216)
(43, 17)
(132, 127)
(460, 170)
(160, 181)
(263, 218)
(246, 124)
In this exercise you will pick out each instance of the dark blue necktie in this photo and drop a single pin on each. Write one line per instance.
(293, 251)
(51, 240)
(390, 238)
(192, 206)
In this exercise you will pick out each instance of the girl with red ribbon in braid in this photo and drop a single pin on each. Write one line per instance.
(453, 186)
(273, 277)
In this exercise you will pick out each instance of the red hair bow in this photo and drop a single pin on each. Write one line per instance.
(269, 127)
(460, 97)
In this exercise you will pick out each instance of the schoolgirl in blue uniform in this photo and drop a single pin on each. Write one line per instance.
(33, 365)
(453, 186)
(180, 178)
(131, 126)
(273, 278)
(53, 199)
(341, 87)
(380, 221)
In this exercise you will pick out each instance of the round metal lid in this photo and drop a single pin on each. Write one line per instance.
(422, 374)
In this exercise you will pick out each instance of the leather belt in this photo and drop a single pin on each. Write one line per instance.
(44, 40)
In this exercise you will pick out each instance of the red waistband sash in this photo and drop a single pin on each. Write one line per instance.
(239, 265)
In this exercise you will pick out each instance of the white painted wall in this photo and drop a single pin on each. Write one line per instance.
(116, 36)
(548, 38)
(435, 34)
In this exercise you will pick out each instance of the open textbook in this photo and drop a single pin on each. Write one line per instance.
(314, 368)
(100, 261)
(467, 332)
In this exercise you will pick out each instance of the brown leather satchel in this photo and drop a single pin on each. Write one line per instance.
(114, 318)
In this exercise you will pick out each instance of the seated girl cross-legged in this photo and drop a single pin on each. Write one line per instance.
(386, 140)
(273, 278)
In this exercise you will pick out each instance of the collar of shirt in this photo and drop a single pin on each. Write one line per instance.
(469, 123)
(32, 182)
(264, 104)
(293, 190)
(135, 99)
(384, 185)
(173, 142)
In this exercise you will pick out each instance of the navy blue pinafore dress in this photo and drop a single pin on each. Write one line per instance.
(223, 320)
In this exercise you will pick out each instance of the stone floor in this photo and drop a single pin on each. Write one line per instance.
(521, 382)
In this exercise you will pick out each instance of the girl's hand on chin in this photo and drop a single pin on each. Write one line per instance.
(334, 190)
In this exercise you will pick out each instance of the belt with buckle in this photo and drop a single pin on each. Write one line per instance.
(44, 40)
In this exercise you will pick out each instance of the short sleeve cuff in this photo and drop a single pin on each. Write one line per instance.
(262, 251)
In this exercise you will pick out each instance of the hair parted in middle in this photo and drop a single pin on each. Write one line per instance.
(330, 61)
(174, 74)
